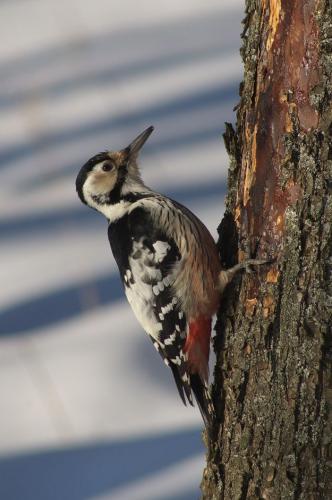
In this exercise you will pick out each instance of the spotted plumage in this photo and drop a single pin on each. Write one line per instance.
(148, 269)
(168, 263)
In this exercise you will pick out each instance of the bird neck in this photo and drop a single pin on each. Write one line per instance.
(118, 204)
(114, 211)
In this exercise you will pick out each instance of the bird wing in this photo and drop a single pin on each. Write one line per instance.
(150, 263)
(197, 277)
(152, 269)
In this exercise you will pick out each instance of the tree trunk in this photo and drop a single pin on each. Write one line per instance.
(273, 377)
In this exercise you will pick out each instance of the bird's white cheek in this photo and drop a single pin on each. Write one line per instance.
(100, 183)
(96, 187)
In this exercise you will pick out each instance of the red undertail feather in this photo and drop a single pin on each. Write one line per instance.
(197, 349)
(197, 346)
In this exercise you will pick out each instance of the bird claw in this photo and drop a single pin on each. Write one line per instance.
(250, 264)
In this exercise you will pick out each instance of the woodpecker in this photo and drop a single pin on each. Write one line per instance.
(168, 263)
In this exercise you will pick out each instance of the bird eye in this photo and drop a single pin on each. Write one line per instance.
(107, 166)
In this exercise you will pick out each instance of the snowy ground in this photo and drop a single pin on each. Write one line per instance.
(88, 411)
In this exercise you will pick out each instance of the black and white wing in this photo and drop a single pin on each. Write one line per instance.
(148, 261)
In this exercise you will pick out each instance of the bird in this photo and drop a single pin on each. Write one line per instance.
(168, 263)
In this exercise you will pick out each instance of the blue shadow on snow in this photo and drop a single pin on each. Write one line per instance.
(84, 472)
(196, 101)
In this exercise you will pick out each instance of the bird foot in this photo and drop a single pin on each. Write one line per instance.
(226, 275)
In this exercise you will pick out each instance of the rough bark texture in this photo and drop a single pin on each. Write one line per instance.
(273, 376)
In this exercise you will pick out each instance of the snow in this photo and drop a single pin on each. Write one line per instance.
(88, 410)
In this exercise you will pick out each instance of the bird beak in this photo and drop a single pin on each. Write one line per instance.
(137, 144)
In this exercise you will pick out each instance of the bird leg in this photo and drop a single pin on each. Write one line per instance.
(226, 275)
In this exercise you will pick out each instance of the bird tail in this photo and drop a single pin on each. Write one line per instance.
(195, 385)
(204, 401)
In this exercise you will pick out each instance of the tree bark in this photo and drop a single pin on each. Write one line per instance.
(272, 438)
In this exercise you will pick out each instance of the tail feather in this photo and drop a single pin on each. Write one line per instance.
(203, 399)
(193, 383)
(182, 383)
(179, 383)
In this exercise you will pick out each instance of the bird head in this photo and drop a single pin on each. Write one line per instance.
(106, 177)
